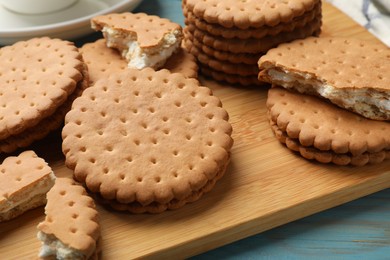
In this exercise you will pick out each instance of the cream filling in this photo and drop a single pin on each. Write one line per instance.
(137, 56)
(361, 100)
(51, 246)
(35, 191)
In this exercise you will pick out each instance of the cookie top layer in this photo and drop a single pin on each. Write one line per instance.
(36, 76)
(145, 136)
(148, 30)
(19, 173)
(71, 217)
(315, 122)
(249, 13)
(351, 73)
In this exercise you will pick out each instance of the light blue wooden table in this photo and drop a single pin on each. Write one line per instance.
(357, 230)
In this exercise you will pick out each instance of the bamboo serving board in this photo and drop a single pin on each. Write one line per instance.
(266, 185)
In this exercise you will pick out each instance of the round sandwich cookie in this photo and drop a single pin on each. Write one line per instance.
(350, 73)
(249, 13)
(47, 124)
(36, 76)
(71, 228)
(322, 131)
(147, 141)
(260, 32)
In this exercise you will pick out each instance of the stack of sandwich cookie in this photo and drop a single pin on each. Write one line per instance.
(42, 77)
(228, 37)
(335, 102)
(147, 141)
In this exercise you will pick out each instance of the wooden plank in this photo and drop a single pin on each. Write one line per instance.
(266, 186)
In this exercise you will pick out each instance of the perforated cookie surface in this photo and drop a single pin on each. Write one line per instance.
(146, 136)
(19, 173)
(249, 13)
(37, 83)
(317, 123)
(71, 217)
(148, 30)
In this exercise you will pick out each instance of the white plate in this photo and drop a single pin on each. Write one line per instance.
(68, 24)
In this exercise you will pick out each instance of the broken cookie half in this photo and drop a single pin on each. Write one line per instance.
(351, 73)
(24, 181)
(71, 227)
(143, 40)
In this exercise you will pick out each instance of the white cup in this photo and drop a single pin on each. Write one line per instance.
(36, 6)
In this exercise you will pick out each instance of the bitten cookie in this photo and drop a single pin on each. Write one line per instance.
(147, 141)
(102, 61)
(351, 73)
(324, 132)
(71, 227)
(24, 181)
(143, 40)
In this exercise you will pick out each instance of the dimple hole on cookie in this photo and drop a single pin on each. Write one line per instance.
(109, 148)
(153, 140)
(92, 160)
(158, 94)
(78, 136)
(165, 119)
(144, 125)
(151, 110)
(175, 152)
(315, 126)
(122, 176)
(83, 149)
(2, 170)
(73, 230)
(40, 167)
(153, 160)
(139, 179)
(193, 94)
(188, 137)
(92, 98)
(210, 116)
(75, 215)
(71, 203)
(367, 132)
(177, 103)
(129, 159)
(18, 179)
(123, 120)
(137, 142)
(166, 131)
(135, 111)
(103, 114)
(63, 192)
(105, 170)
(83, 109)
(209, 143)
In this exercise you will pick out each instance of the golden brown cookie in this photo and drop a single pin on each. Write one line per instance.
(24, 181)
(249, 13)
(36, 76)
(143, 40)
(259, 32)
(351, 73)
(147, 141)
(318, 126)
(102, 61)
(47, 124)
(71, 228)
